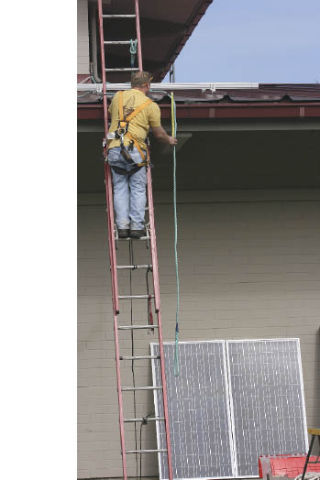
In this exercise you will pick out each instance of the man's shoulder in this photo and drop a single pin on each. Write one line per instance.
(115, 96)
(154, 107)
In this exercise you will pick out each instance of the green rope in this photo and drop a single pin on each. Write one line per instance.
(174, 131)
(133, 51)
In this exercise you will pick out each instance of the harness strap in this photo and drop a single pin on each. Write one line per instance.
(132, 114)
(145, 158)
(138, 110)
(123, 171)
(124, 122)
(121, 106)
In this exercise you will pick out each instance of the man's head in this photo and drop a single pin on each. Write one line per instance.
(141, 81)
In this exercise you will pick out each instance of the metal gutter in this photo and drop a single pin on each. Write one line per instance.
(215, 111)
(245, 110)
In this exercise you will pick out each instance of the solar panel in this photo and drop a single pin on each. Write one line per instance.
(198, 411)
(232, 402)
(267, 402)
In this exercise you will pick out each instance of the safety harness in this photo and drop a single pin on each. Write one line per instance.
(122, 131)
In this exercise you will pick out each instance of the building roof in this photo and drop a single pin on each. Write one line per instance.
(219, 100)
(259, 93)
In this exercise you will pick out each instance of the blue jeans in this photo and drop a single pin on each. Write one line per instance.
(129, 191)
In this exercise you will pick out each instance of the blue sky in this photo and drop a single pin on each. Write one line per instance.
(254, 41)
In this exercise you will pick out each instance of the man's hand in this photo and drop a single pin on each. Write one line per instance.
(162, 136)
(173, 141)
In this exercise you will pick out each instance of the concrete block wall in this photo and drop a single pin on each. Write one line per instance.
(249, 268)
(83, 37)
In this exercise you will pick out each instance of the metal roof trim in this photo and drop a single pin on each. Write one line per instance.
(215, 93)
(212, 86)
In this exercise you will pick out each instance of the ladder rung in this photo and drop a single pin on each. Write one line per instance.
(119, 16)
(139, 357)
(117, 42)
(149, 419)
(126, 239)
(132, 267)
(131, 389)
(161, 450)
(125, 297)
(136, 327)
(122, 69)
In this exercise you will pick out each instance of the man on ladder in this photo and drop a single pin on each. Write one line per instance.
(132, 114)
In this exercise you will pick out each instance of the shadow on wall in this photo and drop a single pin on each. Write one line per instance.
(218, 160)
(241, 160)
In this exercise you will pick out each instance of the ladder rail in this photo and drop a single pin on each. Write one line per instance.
(111, 239)
(107, 171)
(103, 68)
(113, 257)
(156, 287)
(153, 243)
(165, 397)
(120, 402)
(139, 50)
(111, 242)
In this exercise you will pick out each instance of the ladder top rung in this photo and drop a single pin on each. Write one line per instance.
(117, 42)
(132, 267)
(122, 69)
(160, 450)
(139, 357)
(107, 15)
(149, 419)
(126, 297)
(135, 327)
(130, 389)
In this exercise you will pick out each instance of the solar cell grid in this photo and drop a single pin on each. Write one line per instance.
(232, 402)
(266, 400)
(198, 411)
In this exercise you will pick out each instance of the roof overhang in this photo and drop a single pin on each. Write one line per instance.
(165, 28)
(217, 100)
(246, 136)
(222, 111)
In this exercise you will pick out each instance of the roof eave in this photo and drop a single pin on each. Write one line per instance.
(222, 111)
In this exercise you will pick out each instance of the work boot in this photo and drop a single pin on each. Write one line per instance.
(137, 233)
(123, 232)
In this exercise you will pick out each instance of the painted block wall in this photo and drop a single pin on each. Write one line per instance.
(82, 37)
(249, 268)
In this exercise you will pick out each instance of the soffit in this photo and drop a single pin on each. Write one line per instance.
(166, 25)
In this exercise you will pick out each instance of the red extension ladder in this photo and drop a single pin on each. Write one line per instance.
(150, 266)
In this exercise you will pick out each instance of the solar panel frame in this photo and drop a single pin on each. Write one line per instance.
(158, 412)
(225, 344)
(231, 402)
